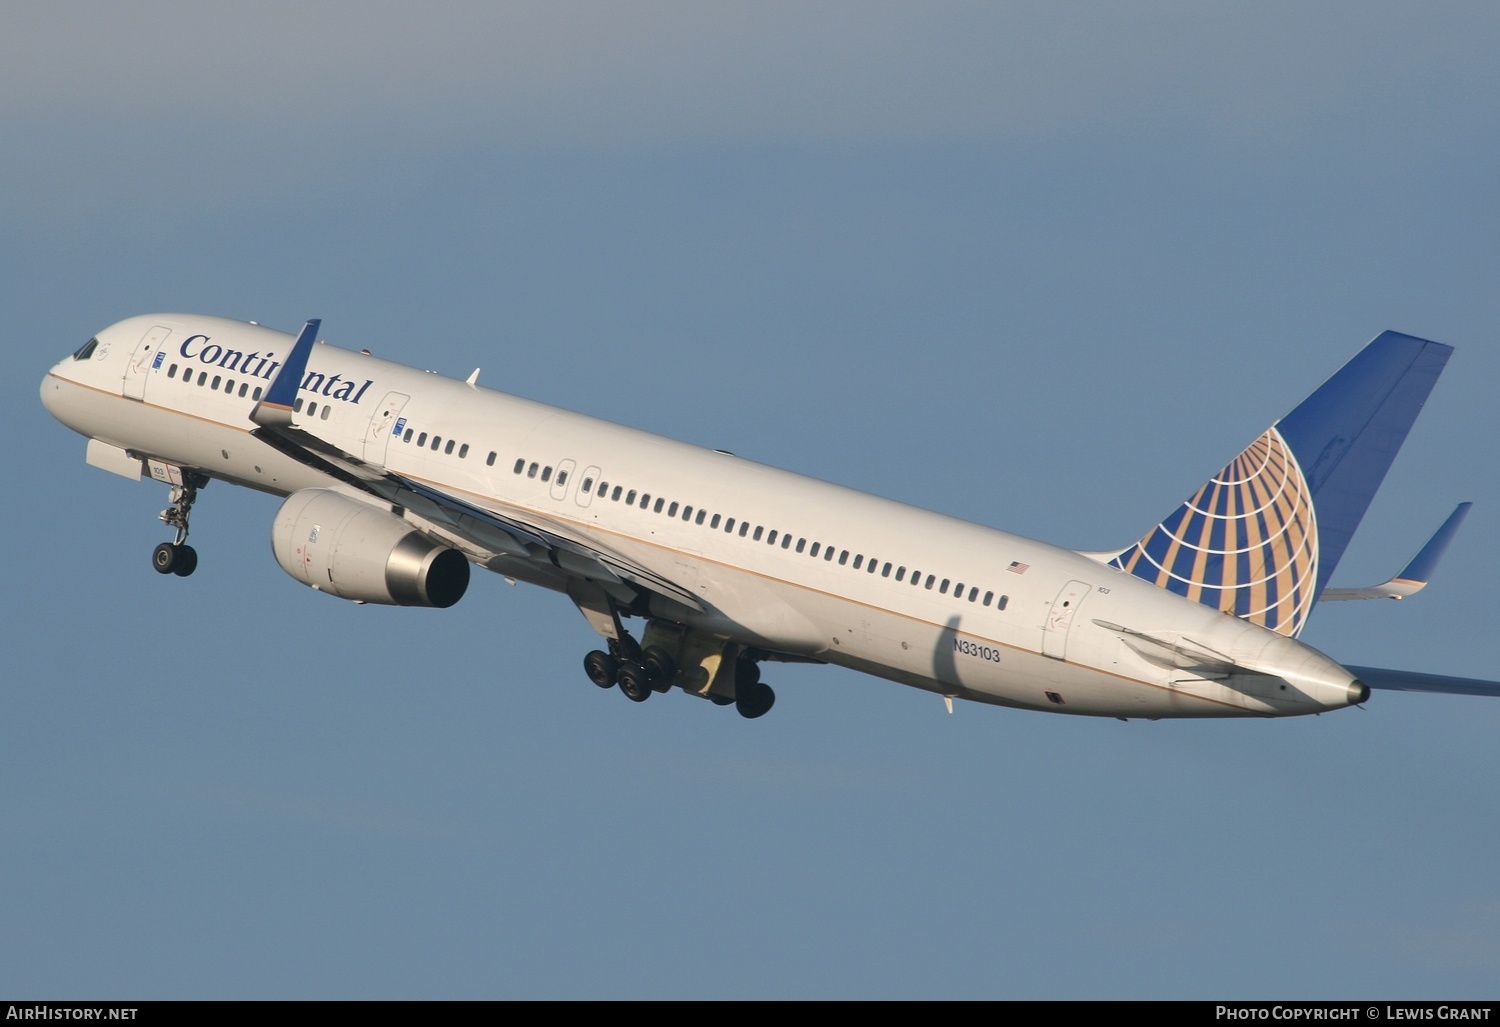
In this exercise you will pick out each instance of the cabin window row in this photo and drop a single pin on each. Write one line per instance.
(785, 540)
(535, 469)
(436, 443)
(219, 383)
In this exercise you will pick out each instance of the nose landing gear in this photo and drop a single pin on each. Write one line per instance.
(177, 557)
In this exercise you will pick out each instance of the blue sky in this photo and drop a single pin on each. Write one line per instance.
(1043, 266)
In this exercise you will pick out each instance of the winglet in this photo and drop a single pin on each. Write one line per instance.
(1416, 574)
(276, 409)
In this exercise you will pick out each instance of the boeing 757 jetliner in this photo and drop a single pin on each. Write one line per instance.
(398, 480)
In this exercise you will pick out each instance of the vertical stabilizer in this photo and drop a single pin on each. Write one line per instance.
(1262, 537)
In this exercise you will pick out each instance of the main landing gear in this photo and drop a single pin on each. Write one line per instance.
(177, 557)
(640, 672)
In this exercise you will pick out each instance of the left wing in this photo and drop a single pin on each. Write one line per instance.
(527, 536)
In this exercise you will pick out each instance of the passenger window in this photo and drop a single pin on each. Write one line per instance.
(244, 388)
(562, 477)
(744, 528)
(885, 572)
(857, 559)
(645, 500)
(327, 409)
(215, 387)
(256, 395)
(437, 440)
(828, 553)
(463, 451)
(659, 504)
(989, 597)
(900, 573)
(672, 510)
(944, 588)
(758, 530)
(630, 499)
(448, 449)
(616, 494)
(728, 524)
(786, 542)
(770, 539)
(404, 438)
(422, 439)
(813, 552)
(1000, 603)
(490, 460)
(229, 386)
(701, 515)
(547, 473)
(531, 470)
(297, 406)
(171, 371)
(203, 377)
(973, 594)
(520, 466)
(843, 557)
(588, 483)
(930, 580)
(713, 523)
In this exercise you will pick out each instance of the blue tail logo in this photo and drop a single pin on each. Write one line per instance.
(1245, 543)
(1261, 538)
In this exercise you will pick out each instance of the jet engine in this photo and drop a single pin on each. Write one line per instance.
(365, 553)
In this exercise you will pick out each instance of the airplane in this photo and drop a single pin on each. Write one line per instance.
(397, 481)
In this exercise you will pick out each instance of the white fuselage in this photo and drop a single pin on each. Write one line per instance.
(914, 596)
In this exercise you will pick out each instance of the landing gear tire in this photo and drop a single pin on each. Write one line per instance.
(635, 682)
(754, 700)
(601, 668)
(168, 558)
(187, 561)
(660, 667)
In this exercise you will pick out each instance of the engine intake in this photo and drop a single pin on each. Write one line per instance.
(355, 551)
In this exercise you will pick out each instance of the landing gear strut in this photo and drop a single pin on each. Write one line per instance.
(177, 557)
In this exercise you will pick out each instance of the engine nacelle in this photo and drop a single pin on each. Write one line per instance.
(355, 551)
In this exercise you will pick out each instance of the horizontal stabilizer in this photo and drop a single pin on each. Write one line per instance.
(1416, 574)
(1415, 681)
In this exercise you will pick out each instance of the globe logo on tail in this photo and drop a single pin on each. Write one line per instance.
(1246, 543)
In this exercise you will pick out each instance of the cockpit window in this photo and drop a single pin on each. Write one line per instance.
(86, 350)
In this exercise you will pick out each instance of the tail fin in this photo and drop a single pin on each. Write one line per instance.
(1262, 537)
